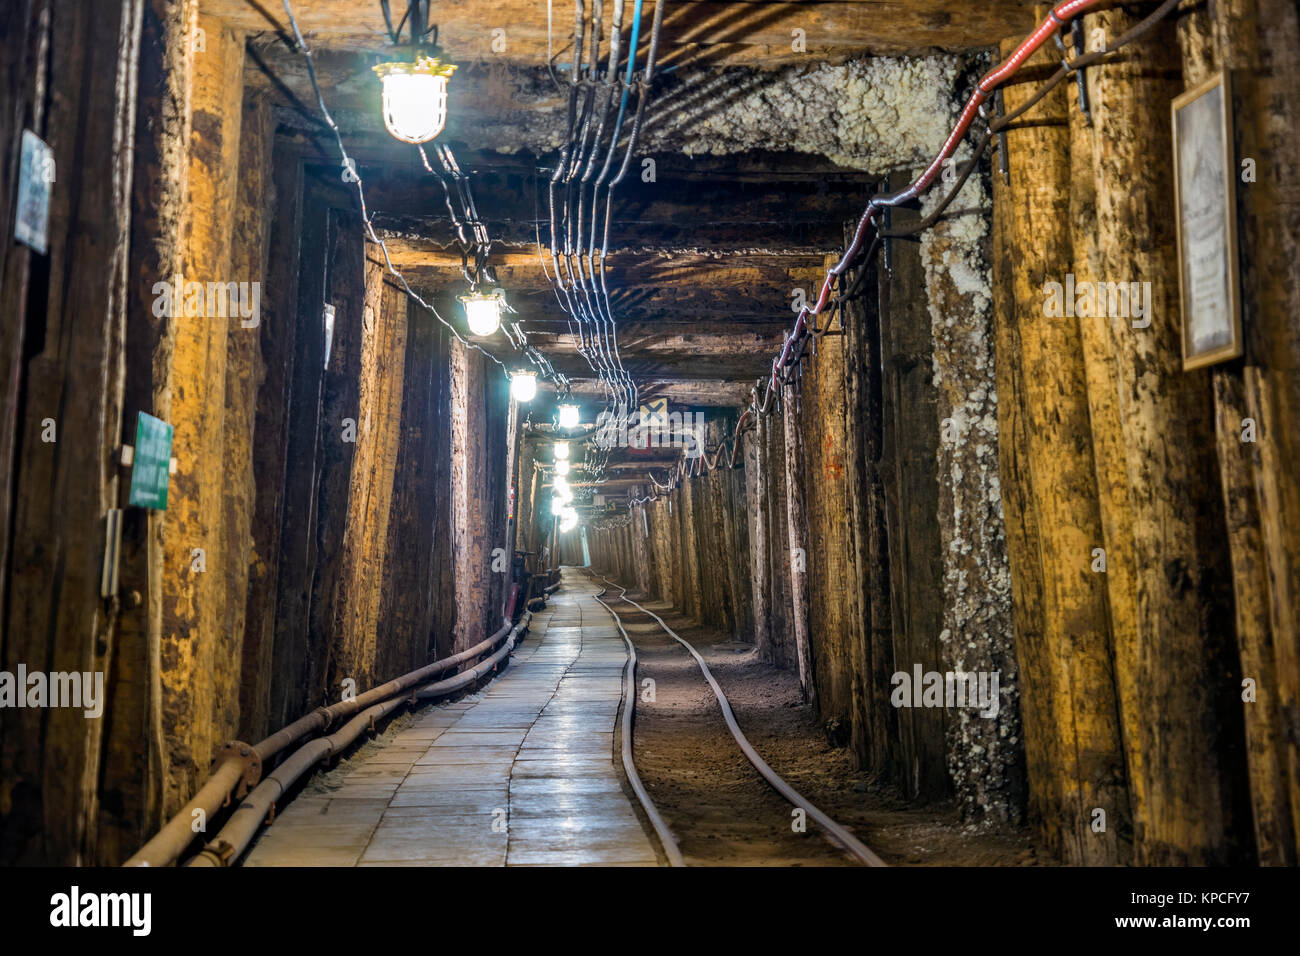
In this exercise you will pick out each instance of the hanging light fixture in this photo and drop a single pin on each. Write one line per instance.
(523, 386)
(483, 311)
(562, 489)
(561, 450)
(415, 90)
(561, 467)
(558, 505)
(415, 98)
(569, 416)
(568, 520)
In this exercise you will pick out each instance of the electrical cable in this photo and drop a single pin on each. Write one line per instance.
(786, 365)
(354, 176)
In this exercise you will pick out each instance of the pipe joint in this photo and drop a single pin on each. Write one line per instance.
(245, 754)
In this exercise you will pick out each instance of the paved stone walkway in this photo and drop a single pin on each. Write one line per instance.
(521, 773)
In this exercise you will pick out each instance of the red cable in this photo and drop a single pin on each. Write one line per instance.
(1057, 17)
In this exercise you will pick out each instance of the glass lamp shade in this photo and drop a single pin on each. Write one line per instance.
(482, 312)
(415, 98)
(558, 505)
(561, 467)
(562, 489)
(523, 386)
(569, 416)
(561, 450)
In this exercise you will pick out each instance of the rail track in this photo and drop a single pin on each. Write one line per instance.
(834, 831)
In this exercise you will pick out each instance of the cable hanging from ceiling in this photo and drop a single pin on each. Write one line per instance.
(574, 189)
(414, 19)
(786, 366)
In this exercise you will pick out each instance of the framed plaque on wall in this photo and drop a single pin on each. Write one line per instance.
(1206, 209)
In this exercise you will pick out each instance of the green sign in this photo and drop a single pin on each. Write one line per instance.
(152, 463)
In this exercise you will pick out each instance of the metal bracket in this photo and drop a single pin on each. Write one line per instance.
(1080, 47)
(1080, 73)
(248, 756)
(1004, 161)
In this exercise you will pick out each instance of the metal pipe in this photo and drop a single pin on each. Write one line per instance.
(233, 839)
(168, 844)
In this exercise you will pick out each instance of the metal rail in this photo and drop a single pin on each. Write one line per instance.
(833, 830)
(666, 838)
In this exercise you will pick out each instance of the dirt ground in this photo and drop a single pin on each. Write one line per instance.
(724, 813)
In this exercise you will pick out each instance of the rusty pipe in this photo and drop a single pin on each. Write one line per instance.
(168, 844)
(233, 839)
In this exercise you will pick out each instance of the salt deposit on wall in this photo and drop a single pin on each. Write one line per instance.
(886, 115)
(875, 115)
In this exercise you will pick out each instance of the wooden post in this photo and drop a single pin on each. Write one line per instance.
(135, 755)
(910, 461)
(345, 425)
(200, 659)
(410, 595)
(831, 608)
(66, 469)
(278, 333)
(1177, 710)
(296, 554)
(1227, 36)
(471, 544)
(756, 492)
(1070, 663)
(796, 557)
(382, 333)
(875, 725)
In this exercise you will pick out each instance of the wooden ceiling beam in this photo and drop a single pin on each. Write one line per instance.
(694, 31)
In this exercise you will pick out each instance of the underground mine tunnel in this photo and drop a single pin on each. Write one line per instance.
(656, 433)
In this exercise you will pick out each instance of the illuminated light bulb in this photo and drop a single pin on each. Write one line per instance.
(558, 504)
(561, 450)
(568, 520)
(561, 467)
(523, 386)
(569, 416)
(415, 98)
(562, 489)
(482, 312)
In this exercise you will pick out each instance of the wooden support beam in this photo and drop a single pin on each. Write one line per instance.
(382, 320)
(271, 443)
(796, 557)
(909, 443)
(296, 553)
(134, 753)
(1246, 396)
(1069, 666)
(1179, 693)
(201, 660)
(703, 392)
(696, 31)
(63, 350)
(874, 727)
